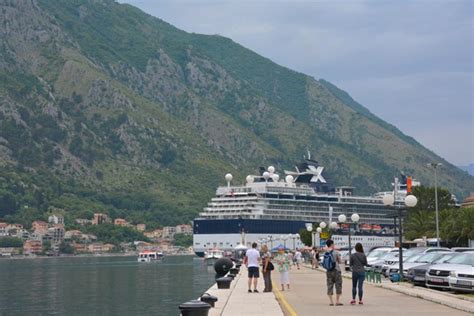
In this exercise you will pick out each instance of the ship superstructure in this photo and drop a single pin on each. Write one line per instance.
(267, 206)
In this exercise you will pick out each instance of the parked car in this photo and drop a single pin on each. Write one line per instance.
(462, 249)
(394, 261)
(390, 257)
(417, 274)
(417, 260)
(462, 280)
(417, 250)
(377, 254)
(437, 275)
(391, 268)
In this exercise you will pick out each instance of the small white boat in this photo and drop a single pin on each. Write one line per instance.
(213, 254)
(150, 256)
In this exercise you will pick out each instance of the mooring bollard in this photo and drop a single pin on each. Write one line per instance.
(224, 282)
(223, 265)
(195, 308)
(209, 299)
(234, 271)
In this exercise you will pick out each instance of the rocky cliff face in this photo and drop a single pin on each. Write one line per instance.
(127, 113)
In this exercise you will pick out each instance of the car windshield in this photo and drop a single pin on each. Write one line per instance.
(428, 258)
(413, 251)
(389, 256)
(377, 253)
(465, 258)
(413, 258)
(445, 258)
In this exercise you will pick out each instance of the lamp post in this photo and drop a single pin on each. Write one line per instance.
(309, 228)
(354, 220)
(293, 236)
(284, 238)
(322, 225)
(435, 167)
(319, 230)
(410, 201)
(270, 238)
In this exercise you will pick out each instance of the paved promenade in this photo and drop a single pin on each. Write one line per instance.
(308, 297)
(236, 301)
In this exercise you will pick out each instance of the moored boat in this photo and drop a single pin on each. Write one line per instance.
(212, 254)
(150, 256)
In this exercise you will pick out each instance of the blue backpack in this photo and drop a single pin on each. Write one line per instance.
(328, 261)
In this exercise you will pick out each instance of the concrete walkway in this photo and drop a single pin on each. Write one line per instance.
(308, 297)
(236, 301)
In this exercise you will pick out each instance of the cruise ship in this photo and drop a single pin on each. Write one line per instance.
(275, 209)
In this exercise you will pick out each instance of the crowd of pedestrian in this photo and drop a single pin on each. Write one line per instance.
(283, 261)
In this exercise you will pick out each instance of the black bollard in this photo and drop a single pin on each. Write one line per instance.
(224, 283)
(195, 308)
(234, 271)
(222, 266)
(209, 299)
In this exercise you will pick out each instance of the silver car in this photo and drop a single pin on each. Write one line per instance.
(462, 279)
(376, 254)
(438, 274)
(406, 264)
(417, 274)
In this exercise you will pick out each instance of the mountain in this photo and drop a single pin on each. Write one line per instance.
(469, 168)
(106, 108)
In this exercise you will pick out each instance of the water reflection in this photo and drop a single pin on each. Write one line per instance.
(105, 286)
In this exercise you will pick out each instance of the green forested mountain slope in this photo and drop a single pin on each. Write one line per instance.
(104, 107)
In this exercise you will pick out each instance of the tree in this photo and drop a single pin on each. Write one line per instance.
(65, 247)
(11, 242)
(420, 220)
(457, 226)
(426, 198)
(46, 246)
(182, 240)
(306, 237)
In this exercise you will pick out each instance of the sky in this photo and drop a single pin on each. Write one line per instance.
(408, 62)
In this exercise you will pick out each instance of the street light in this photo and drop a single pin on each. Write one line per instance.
(410, 201)
(354, 220)
(309, 228)
(284, 238)
(270, 238)
(435, 167)
(294, 237)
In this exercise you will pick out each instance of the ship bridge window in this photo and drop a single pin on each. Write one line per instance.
(197, 243)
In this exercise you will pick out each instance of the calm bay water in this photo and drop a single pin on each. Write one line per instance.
(100, 285)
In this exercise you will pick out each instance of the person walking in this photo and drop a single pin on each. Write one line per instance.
(251, 260)
(298, 258)
(314, 258)
(284, 263)
(358, 261)
(267, 268)
(331, 262)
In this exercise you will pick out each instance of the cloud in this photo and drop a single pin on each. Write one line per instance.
(410, 62)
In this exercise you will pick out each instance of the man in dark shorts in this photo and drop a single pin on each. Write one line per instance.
(252, 260)
(334, 277)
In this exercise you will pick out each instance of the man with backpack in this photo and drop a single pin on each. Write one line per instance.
(331, 262)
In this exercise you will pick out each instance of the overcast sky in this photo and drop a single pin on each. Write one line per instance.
(409, 62)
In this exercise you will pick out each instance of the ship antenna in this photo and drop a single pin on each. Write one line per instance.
(309, 154)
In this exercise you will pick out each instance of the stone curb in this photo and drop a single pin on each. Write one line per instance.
(449, 302)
